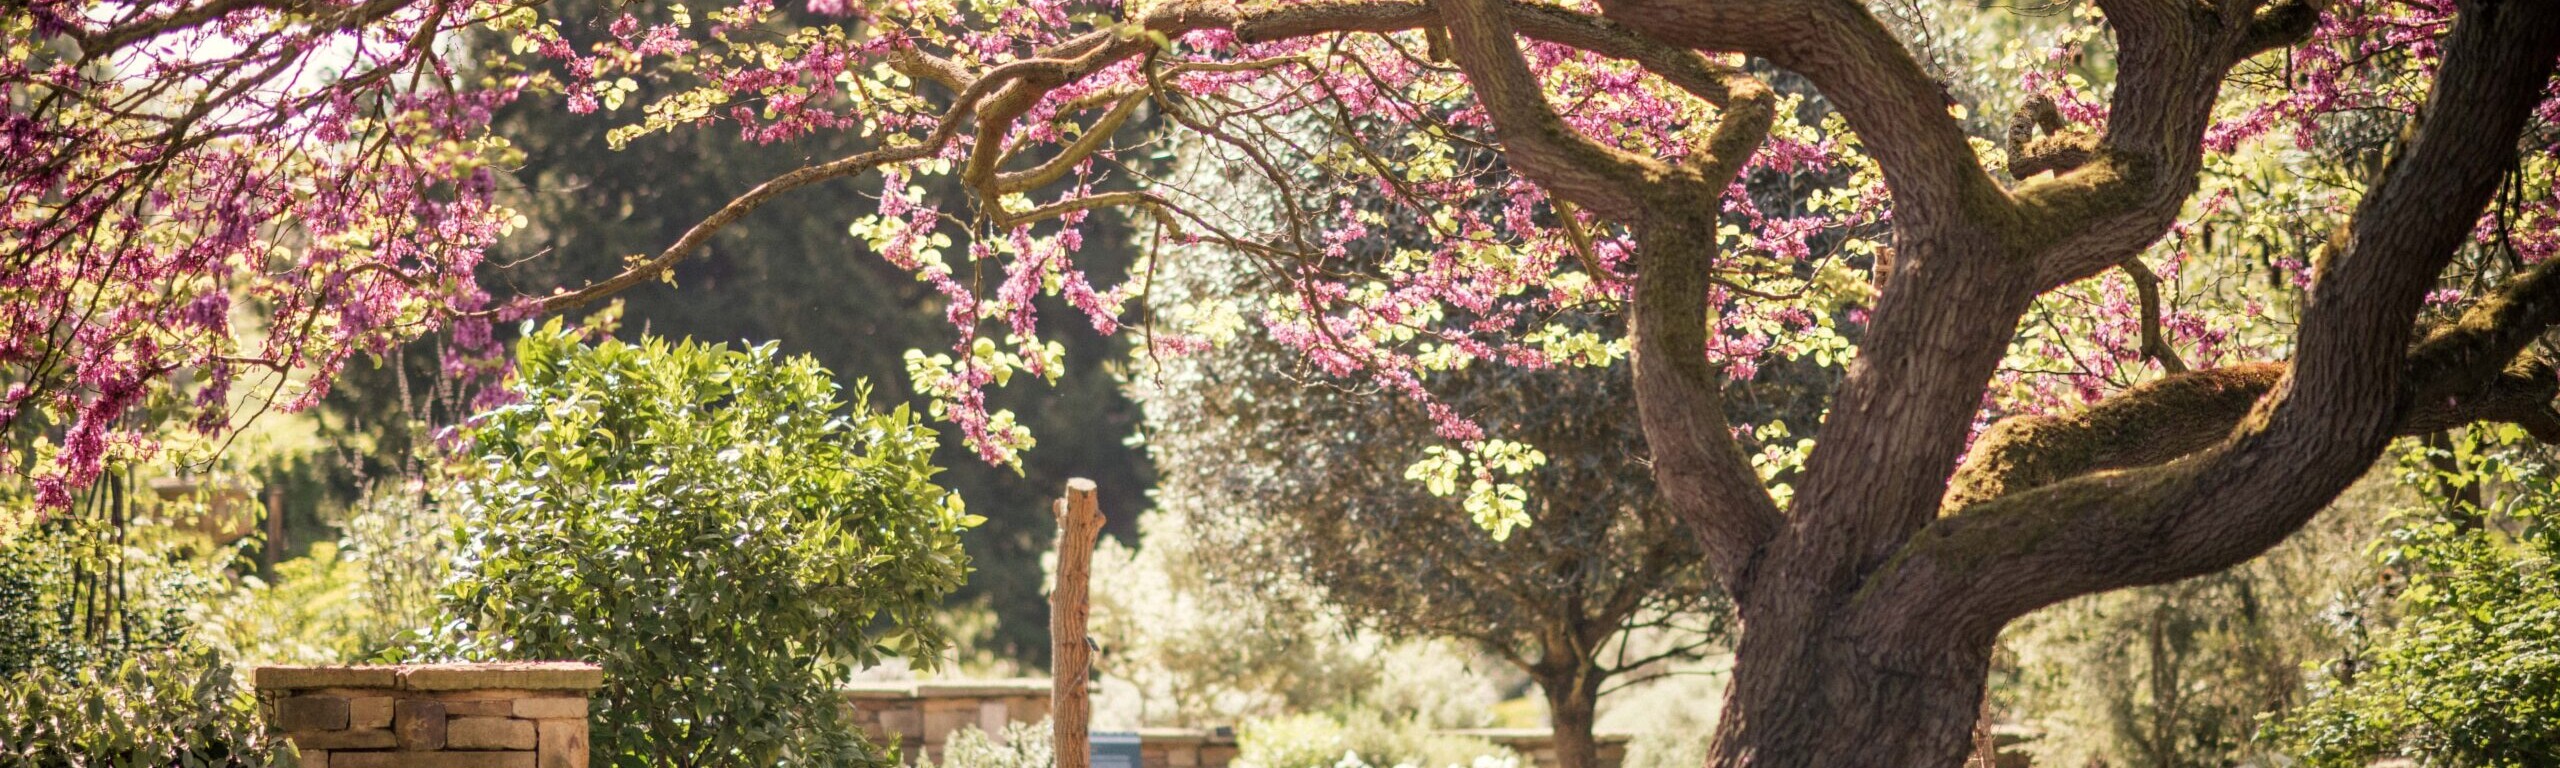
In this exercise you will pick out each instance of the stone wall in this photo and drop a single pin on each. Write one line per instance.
(520, 715)
(921, 715)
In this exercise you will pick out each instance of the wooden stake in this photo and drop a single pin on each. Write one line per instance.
(1070, 654)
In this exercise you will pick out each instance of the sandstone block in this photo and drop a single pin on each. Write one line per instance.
(1217, 756)
(336, 740)
(538, 675)
(431, 760)
(477, 707)
(369, 712)
(313, 758)
(546, 709)
(564, 744)
(488, 733)
(991, 717)
(311, 713)
(903, 722)
(420, 724)
(938, 724)
(299, 677)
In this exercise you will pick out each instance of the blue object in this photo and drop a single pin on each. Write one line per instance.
(1116, 749)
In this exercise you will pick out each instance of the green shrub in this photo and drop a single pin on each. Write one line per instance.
(711, 527)
(1022, 745)
(156, 708)
(2470, 673)
(100, 659)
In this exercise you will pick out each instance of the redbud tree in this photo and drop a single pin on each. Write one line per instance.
(2060, 370)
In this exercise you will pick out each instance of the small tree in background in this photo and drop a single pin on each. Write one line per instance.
(1289, 480)
(714, 529)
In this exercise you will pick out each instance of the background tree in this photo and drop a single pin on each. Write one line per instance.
(1293, 483)
(713, 529)
(1870, 600)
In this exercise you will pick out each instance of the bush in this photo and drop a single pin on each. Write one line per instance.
(159, 708)
(2470, 674)
(100, 661)
(1021, 745)
(708, 526)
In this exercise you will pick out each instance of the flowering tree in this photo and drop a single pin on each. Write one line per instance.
(325, 163)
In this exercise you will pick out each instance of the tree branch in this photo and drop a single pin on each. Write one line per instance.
(2130, 184)
(1535, 141)
(2325, 419)
(1898, 110)
(1023, 82)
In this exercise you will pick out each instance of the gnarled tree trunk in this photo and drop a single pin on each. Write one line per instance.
(1572, 689)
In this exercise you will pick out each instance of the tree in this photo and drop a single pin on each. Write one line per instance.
(713, 530)
(1289, 483)
(1868, 603)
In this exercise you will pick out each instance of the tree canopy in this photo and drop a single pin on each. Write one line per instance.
(332, 166)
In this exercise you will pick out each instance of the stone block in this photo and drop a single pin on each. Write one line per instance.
(1217, 756)
(420, 724)
(336, 740)
(1030, 710)
(311, 713)
(477, 707)
(369, 712)
(1182, 756)
(488, 733)
(905, 723)
(431, 760)
(991, 717)
(950, 705)
(563, 742)
(938, 724)
(277, 678)
(535, 675)
(546, 709)
(312, 758)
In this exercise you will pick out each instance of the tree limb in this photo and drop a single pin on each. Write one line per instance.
(2326, 417)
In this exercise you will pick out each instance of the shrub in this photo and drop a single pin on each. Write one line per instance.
(100, 662)
(1021, 745)
(2470, 673)
(157, 708)
(711, 528)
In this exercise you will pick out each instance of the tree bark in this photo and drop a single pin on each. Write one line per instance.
(1573, 698)
(1071, 660)
(1813, 695)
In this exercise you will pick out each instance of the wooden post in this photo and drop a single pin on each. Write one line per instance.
(1070, 654)
(273, 551)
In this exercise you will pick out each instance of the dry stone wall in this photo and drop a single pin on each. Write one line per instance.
(513, 715)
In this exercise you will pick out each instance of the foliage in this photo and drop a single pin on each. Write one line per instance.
(161, 707)
(1558, 559)
(103, 660)
(711, 527)
(1184, 645)
(2180, 673)
(1587, 167)
(1021, 745)
(1360, 739)
(2469, 674)
(791, 272)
